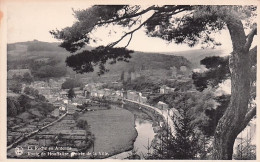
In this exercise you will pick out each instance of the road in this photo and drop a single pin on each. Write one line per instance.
(163, 113)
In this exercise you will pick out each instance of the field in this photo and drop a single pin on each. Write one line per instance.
(113, 129)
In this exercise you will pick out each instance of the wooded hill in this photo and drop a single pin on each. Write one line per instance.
(40, 57)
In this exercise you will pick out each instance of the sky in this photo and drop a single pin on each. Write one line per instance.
(34, 20)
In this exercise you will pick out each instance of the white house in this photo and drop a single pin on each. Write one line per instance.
(162, 105)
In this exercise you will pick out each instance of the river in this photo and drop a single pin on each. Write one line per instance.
(145, 136)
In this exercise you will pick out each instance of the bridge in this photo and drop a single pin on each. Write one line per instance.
(167, 118)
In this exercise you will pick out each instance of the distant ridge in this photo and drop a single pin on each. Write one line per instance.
(194, 56)
(36, 45)
(139, 61)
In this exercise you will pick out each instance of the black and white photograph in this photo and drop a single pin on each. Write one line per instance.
(88, 80)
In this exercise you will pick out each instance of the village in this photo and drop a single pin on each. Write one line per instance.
(65, 109)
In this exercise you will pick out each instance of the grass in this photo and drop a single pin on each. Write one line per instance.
(113, 129)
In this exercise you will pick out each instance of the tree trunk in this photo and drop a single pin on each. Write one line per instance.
(229, 126)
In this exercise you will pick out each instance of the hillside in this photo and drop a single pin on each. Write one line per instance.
(25, 54)
(150, 61)
(194, 56)
(38, 49)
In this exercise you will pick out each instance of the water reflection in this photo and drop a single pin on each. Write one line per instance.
(144, 138)
(145, 135)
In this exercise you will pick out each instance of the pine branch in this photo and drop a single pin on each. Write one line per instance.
(172, 10)
(131, 32)
(128, 16)
(164, 9)
(131, 36)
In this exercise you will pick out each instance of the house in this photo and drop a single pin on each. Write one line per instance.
(71, 109)
(100, 93)
(124, 94)
(113, 97)
(46, 91)
(75, 104)
(52, 99)
(17, 72)
(132, 95)
(56, 84)
(93, 93)
(65, 101)
(37, 84)
(143, 99)
(78, 92)
(162, 105)
(42, 60)
(87, 94)
(64, 93)
(92, 86)
(119, 93)
(165, 89)
(107, 92)
(62, 108)
(76, 89)
(79, 100)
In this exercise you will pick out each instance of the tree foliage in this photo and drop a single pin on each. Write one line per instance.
(71, 94)
(15, 86)
(17, 106)
(35, 93)
(162, 23)
(83, 124)
(23, 103)
(186, 145)
(49, 71)
(209, 127)
(27, 78)
(218, 71)
(183, 145)
(12, 107)
(71, 83)
(86, 61)
(141, 84)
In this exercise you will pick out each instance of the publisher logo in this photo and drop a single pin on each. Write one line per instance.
(18, 151)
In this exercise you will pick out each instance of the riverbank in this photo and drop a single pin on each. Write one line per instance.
(146, 124)
(114, 131)
(114, 137)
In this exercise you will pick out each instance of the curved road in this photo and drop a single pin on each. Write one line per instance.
(163, 113)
